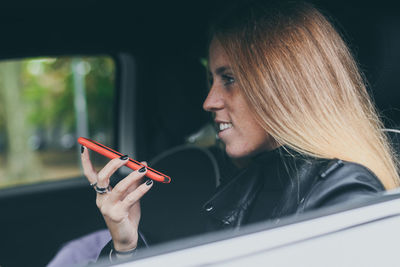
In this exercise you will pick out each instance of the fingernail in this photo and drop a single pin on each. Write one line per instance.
(143, 169)
(82, 149)
(149, 182)
(124, 157)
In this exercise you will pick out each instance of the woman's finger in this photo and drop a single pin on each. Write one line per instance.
(144, 163)
(137, 194)
(103, 177)
(123, 186)
(87, 166)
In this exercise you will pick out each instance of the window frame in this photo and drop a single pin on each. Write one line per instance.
(124, 90)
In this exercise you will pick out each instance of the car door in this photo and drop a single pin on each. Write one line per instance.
(53, 89)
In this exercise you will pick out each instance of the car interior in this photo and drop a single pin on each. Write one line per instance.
(155, 110)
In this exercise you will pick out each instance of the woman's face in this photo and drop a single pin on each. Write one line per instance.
(237, 128)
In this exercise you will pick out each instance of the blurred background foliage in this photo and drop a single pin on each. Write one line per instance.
(43, 96)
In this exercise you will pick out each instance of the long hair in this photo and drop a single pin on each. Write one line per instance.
(303, 85)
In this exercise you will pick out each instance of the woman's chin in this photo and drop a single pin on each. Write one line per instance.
(236, 153)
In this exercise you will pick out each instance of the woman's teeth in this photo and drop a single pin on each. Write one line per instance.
(224, 126)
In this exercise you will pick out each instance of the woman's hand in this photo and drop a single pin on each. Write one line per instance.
(120, 205)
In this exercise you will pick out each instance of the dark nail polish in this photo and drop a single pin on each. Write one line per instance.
(143, 169)
(124, 157)
(82, 149)
(149, 182)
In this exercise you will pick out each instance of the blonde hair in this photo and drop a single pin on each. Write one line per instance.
(301, 81)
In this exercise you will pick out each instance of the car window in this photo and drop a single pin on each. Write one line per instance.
(45, 104)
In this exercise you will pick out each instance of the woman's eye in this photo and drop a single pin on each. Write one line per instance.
(228, 79)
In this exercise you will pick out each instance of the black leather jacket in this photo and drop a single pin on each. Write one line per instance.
(282, 182)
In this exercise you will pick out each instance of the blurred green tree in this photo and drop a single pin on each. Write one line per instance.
(21, 162)
(37, 99)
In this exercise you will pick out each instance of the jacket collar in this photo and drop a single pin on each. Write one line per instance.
(231, 202)
(280, 170)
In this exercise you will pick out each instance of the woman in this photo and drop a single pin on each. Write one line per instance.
(291, 108)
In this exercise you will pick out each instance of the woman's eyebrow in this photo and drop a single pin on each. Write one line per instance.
(221, 70)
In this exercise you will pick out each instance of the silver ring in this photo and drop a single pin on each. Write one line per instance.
(101, 190)
(93, 184)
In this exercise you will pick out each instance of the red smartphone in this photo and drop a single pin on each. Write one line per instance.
(132, 164)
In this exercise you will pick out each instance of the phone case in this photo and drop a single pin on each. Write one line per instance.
(132, 164)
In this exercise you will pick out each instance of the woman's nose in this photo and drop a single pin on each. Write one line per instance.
(214, 100)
